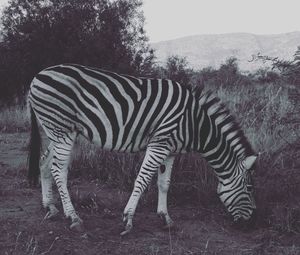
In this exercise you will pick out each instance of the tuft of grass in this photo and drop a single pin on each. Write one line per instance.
(193, 181)
(24, 244)
(14, 119)
(116, 169)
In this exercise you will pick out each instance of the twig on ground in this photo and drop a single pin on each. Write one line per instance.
(45, 252)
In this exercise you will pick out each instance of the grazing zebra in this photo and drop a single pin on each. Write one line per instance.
(127, 114)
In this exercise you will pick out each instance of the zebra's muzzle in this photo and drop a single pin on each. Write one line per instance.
(245, 224)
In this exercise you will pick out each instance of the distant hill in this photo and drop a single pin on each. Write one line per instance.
(212, 50)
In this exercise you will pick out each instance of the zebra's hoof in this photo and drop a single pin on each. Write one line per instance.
(128, 228)
(77, 226)
(169, 225)
(51, 215)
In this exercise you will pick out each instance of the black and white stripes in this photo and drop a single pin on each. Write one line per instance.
(128, 114)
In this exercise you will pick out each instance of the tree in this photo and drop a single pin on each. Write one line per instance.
(228, 72)
(289, 70)
(292, 72)
(176, 69)
(265, 75)
(206, 77)
(107, 34)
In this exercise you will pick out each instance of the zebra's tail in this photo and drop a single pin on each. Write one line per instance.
(34, 150)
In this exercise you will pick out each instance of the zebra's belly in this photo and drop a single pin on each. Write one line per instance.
(120, 143)
(129, 148)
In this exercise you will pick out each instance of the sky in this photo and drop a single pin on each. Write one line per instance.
(170, 19)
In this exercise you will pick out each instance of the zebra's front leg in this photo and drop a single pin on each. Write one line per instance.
(155, 155)
(163, 183)
(47, 183)
(59, 169)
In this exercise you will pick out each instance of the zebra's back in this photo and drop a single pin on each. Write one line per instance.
(118, 112)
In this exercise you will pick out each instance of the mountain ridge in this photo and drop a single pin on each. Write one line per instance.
(213, 49)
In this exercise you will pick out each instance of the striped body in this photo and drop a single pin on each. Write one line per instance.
(128, 114)
(116, 112)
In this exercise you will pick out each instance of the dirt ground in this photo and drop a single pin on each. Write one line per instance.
(198, 230)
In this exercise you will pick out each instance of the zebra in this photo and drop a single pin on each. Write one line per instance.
(127, 114)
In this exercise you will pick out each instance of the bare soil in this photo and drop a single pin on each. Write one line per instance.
(197, 231)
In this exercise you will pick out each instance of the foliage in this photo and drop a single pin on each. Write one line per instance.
(288, 71)
(40, 33)
(176, 68)
(229, 75)
(228, 72)
(264, 75)
(292, 72)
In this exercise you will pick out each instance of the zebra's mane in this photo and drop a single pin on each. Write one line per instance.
(207, 99)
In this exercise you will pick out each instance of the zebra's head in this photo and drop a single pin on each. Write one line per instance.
(236, 193)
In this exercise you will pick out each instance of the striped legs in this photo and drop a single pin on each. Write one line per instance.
(61, 156)
(163, 183)
(156, 154)
(47, 183)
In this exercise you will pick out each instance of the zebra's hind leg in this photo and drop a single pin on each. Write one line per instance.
(47, 183)
(156, 154)
(163, 183)
(61, 156)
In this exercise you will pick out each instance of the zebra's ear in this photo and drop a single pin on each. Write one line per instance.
(249, 161)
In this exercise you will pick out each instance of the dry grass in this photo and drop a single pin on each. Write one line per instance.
(265, 113)
(14, 119)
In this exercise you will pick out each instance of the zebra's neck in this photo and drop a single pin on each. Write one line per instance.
(217, 136)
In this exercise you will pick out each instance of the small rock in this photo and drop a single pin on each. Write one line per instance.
(84, 236)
